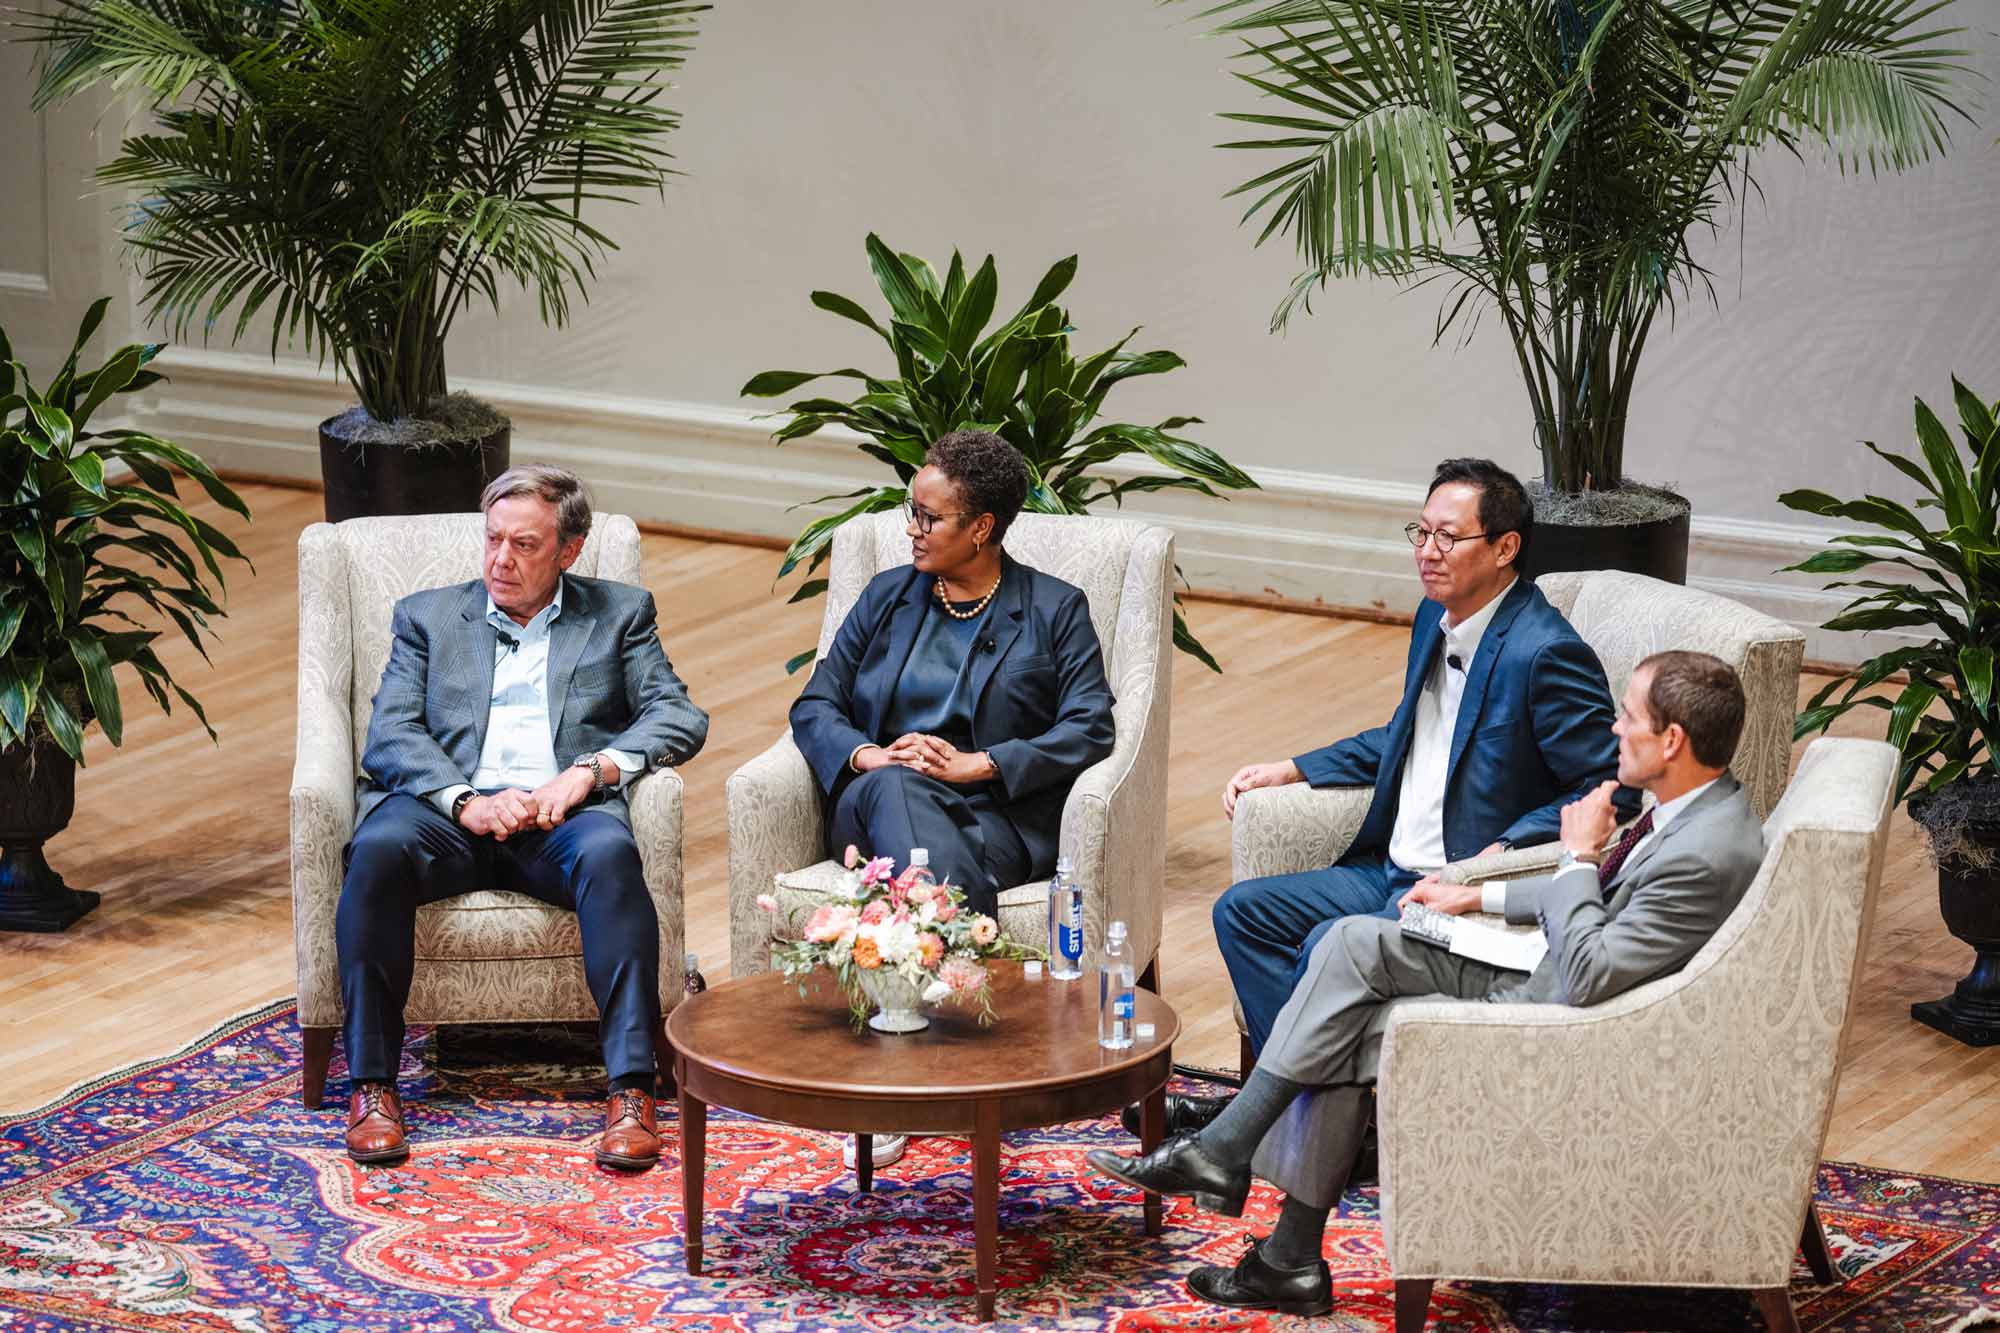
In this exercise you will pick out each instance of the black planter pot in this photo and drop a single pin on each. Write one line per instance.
(1658, 549)
(365, 478)
(37, 798)
(1969, 901)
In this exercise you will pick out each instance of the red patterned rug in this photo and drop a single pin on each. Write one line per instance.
(194, 1193)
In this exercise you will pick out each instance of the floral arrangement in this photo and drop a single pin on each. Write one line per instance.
(907, 924)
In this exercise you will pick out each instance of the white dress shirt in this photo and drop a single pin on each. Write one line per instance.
(1416, 843)
(520, 749)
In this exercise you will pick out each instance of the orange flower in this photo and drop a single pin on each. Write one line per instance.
(867, 955)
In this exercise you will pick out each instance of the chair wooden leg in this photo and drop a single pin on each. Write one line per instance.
(1775, 1304)
(1413, 1303)
(1246, 1059)
(1150, 978)
(1818, 1258)
(318, 1055)
(663, 1062)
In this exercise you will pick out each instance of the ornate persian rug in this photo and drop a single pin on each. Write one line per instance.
(194, 1193)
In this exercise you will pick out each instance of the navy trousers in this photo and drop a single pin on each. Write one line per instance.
(407, 853)
(889, 810)
(1266, 928)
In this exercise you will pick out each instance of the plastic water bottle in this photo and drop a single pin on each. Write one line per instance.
(1116, 1001)
(692, 981)
(1065, 923)
(920, 867)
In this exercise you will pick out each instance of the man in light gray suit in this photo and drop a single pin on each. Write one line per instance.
(1614, 918)
(512, 713)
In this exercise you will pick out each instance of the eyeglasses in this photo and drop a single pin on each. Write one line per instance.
(1419, 534)
(925, 519)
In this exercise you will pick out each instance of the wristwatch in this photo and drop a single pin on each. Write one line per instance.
(1570, 859)
(459, 802)
(594, 764)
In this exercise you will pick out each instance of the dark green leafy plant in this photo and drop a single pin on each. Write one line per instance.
(1018, 379)
(88, 546)
(1953, 590)
(1550, 157)
(364, 170)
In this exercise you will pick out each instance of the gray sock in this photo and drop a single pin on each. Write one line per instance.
(1297, 1240)
(1231, 1138)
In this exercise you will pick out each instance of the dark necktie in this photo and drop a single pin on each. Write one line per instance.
(1607, 869)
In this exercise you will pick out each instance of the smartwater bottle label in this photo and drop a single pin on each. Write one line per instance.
(1122, 1007)
(1070, 941)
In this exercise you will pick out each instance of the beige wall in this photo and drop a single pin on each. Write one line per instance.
(1047, 127)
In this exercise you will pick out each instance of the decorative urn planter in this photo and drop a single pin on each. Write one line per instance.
(37, 798)
(1969, 901)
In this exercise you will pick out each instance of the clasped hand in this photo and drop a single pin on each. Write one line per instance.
(931, 756)
(508, 812)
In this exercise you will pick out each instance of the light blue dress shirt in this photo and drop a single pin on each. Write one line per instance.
(520, 744)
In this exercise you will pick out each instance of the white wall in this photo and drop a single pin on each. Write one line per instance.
(1047, 127)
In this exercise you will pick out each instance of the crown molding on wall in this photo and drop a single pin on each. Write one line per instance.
(1307, 537)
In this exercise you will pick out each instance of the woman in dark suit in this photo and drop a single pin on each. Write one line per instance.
(963, 694)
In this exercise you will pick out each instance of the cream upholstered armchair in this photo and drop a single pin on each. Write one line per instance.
(1625, 618)
(1114, 823)
(1668, 1136)
(485, 957)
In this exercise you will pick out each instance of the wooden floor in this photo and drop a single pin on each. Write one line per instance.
(187, 840)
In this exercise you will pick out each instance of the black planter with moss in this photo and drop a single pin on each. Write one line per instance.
(1636, 528)
(434, 465)
(1963, 821)
(37, 799)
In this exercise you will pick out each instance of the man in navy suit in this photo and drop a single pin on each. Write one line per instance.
(1506, 717)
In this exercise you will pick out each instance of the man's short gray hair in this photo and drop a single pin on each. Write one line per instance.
(557, 485)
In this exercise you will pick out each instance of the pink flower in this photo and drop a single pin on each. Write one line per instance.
(964, 976)
(985, 930)
(853, 857)
(767, 902)
(918, 891)
(947, 910)
(876, 912)
(830, 923)
(876, 871)
(933, 949)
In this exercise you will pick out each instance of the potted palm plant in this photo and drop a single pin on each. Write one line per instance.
(361, 173)
(955, 369)
(1946, 717)
(97, 534)
(1549, 160)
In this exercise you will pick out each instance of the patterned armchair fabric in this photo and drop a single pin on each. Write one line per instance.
(1114, 823)
(1668, 1135)
(482, 957)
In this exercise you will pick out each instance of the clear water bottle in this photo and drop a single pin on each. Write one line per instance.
(1116, 1001)
(920, 867)
(1065, 923)
(692, 981)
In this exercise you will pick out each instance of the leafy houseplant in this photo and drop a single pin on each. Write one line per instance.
(88, 547)
(1019, 380)
(362, 173)
(1549, 159)
(1946, 718)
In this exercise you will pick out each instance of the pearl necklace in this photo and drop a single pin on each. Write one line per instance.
(944, 600)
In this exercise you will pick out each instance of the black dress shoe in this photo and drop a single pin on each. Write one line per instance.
(1257, 1285)
(1185, 1115)
(1179, 1166)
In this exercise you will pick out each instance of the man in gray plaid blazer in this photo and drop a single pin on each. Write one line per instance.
(511, 715)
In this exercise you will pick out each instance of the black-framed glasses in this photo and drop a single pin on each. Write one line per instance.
(1419, 534)
(925, 519)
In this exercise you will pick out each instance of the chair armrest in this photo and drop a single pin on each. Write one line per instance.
(322, 820)
(1283, 830)
(1514, 863)
(658, 824)
(1114, 830)
(774, 826)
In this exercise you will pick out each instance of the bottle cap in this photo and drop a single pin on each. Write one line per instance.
(920, 856)
(1116, 931)
(1144, 1031)
(1032, 968)
(693, 960)
(1065, 867)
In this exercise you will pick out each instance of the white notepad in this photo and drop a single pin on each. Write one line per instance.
(1486, 939)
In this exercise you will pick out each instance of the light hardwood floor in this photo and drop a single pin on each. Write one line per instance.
(187, 840)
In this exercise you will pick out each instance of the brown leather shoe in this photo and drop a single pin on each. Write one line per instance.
(631, 1139)
(375, 1134)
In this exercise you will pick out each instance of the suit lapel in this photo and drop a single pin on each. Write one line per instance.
(1003, 626)
(1721, 790)
(1480, 670)
(469, 657)
(567, 637)
(1424, 642)
(875, 684)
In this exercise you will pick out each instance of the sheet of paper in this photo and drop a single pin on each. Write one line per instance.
(1516, 948)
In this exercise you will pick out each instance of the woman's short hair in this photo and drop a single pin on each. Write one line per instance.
(1703, 695)
(557, 485)
(988, 472)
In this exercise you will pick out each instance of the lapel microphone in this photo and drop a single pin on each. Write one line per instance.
(1450, 660)
(986, 645)
(508, 639)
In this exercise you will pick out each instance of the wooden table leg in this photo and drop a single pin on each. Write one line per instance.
(986, 1203)
(864, 1162)
(694, 1150)
(1152, 1128)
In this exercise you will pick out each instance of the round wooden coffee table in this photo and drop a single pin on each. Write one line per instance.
(755, 1045)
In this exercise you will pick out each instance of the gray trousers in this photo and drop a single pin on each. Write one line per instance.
(1328, 1036)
